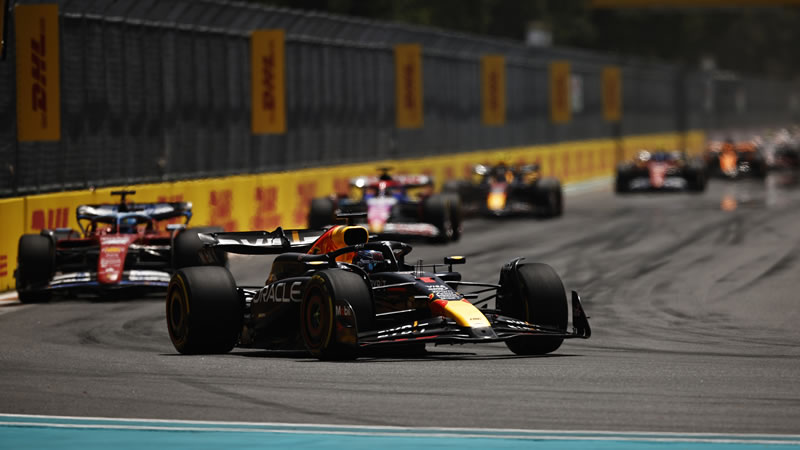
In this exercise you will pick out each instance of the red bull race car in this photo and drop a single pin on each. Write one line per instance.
(735, 160)
(337, 294)
(118, 246)
(503, 190)
(661, 171)
(399, 206)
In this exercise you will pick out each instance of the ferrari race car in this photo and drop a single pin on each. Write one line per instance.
(505, 190)
(337, 295)
(391, 208)
(735, 160)
(661, 171)
(118, 246)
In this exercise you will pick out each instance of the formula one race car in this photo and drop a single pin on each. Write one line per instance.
(119, 246)
(735, 160)
(661, 171)
(505, 190)
(336, 294)
(783, 149)
(391, 209)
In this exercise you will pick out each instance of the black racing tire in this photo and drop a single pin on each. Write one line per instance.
(187, 244)
(321, 213)
(204, 310)
(697, 179)
(550, 196)
(759, 168)
(538, 298)
(36, 259)
(436, 210)
(317, 312)
(621, 185)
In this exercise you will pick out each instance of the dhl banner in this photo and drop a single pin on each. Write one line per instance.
(12, 211)
(560, 100)
(408, 85)
(493, 89)
(612, 93)
(266, 201)
(38, 90)
(267, 78)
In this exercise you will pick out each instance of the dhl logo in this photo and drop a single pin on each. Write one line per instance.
(305, 193)
(220, 203)
(268, 80)
(3, 265)
(39, 73)
(50, 219)
(38, 111)
(266, 217)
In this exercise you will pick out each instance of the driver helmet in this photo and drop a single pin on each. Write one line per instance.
(127, 225)
(369, 260)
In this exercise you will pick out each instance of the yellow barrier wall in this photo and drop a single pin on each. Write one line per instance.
(12, 212)
(266, 201)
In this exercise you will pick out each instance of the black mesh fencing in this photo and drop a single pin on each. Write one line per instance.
(160, 90)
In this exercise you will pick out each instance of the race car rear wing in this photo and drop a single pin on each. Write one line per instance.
(262, 242)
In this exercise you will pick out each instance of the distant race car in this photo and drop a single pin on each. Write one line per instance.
(391, 209)
(505, 190)
(661, 171)
(783, 149)
(735, 160)
(336, 294)
(118, 246)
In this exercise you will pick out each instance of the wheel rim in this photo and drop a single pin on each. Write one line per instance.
(177, 318)
(317, 319)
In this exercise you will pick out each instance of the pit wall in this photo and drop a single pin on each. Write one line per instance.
(266, 201)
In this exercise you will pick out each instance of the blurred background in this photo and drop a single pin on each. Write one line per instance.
(154, 91)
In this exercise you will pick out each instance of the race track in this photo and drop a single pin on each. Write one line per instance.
(693, 301)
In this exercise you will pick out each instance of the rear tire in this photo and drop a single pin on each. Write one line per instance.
(550, 196)
(321, 213)
(204, 311)
(436, 210)
(36, 257)
(318, 313)
(697, 179)
(187, 244)
(537, 296)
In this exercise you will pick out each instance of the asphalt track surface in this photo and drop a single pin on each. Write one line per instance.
(693, 302)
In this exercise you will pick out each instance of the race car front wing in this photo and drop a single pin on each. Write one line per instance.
(440, 330)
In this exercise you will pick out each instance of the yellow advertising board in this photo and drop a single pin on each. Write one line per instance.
(408, 85)
(612, 93)
(38, 90)
(268, 81)
(13, 213)
(560, 100)
(493, 89)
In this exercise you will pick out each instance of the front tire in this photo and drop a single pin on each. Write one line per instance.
(318, 322)
(537, 296)
(35, 266)
(204, 311)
